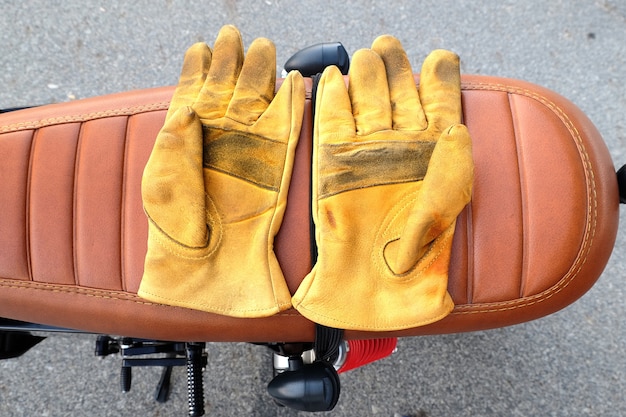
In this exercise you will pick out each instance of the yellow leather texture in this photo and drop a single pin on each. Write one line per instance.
(392, 169)
(215, 186)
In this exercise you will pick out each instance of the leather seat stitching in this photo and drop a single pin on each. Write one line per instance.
(590, 228)
(104, 294)
(83, 117)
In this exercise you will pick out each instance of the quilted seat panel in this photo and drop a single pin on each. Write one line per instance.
(535, 237)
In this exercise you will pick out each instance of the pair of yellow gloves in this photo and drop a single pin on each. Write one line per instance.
(392, 169)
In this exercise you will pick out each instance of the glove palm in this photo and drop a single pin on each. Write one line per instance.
(392, 171)
(216, 183)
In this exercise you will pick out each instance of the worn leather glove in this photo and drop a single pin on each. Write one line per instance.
(392, 169)
(215, 186)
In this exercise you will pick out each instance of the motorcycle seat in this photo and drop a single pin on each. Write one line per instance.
(536, 236)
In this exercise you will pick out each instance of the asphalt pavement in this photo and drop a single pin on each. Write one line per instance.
(572, 363)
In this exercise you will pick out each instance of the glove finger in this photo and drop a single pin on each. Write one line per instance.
(218, 88)
(369, 93)
(283, 118)
(405, 101)
(334, 122)
(256, 84)
(445, 191)
(440, 89)
(196, 65)
(172, 185)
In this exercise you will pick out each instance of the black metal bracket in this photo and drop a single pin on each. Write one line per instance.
(164, 354)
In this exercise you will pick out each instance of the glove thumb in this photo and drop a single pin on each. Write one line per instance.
(172, 186)
(444, 192)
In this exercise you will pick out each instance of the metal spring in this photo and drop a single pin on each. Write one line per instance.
(195, 387)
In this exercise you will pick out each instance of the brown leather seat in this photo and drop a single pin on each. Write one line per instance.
(537, 235)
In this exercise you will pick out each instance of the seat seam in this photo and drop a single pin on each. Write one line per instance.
(79, 144)
(27, 224)
(123, 208)
(523, 187)
(83, 117)
(471, 265)
(90, 292)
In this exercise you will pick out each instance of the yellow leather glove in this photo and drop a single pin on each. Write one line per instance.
(215, 186)
(392, 169)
